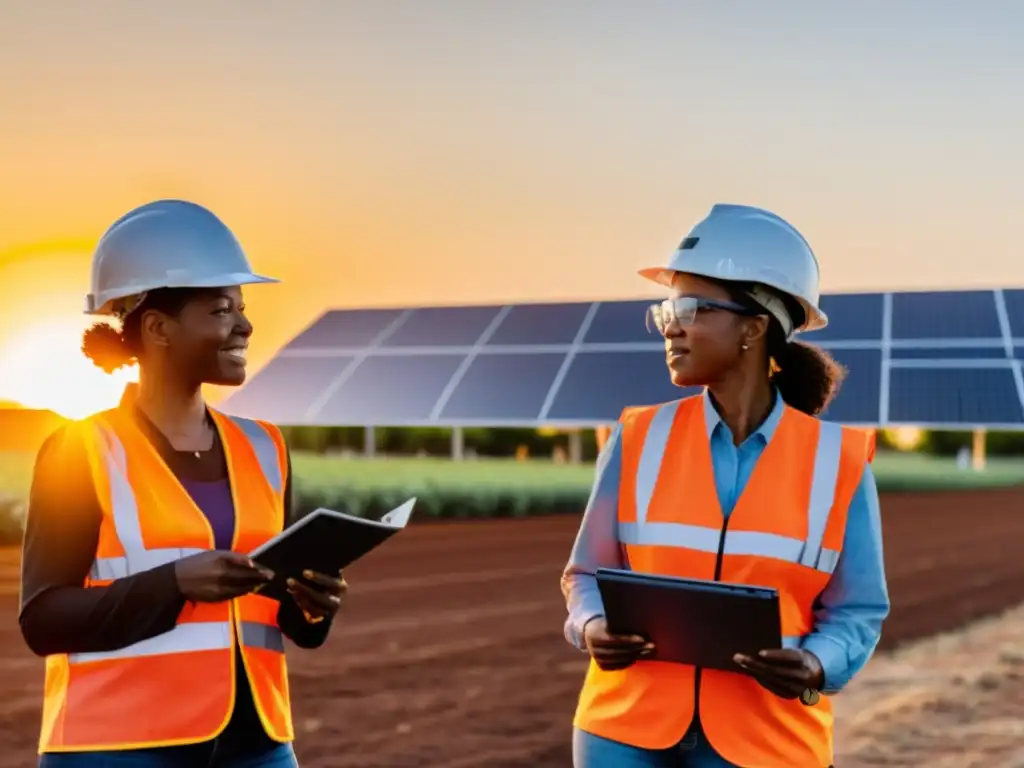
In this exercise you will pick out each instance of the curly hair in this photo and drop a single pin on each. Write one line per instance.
(808, 378)
(105, 346)
(111, 348)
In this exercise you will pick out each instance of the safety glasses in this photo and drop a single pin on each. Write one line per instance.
(682, 311)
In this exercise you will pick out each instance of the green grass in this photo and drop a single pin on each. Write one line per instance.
(914, 471)
(893, 471)
(411, 474)
(320, 474)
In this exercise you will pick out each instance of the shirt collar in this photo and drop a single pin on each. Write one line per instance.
(764, 432)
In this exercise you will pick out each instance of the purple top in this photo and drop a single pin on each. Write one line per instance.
(214, 500)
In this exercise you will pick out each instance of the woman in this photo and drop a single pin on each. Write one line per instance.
(135, 583)
(739, 484)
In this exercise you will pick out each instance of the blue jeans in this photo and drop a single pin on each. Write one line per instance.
(694, 751)
(197, 756)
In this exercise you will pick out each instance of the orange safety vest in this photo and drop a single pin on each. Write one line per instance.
(786, 532)
(178, 687)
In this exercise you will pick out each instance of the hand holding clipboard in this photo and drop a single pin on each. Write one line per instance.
(324, 541)
(612, 651)
(710, 624)
(790, 673)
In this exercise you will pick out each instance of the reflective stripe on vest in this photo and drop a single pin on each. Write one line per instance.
(126, 513)
(810, 552)
(194, 636)
(178, 687)
(785, 531)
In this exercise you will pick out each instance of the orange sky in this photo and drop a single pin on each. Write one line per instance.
(387, 154)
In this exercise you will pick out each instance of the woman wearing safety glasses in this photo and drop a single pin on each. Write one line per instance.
(741, 484)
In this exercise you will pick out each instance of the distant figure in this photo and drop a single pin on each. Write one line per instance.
(963, 458)
(741, 484)
(135, 585)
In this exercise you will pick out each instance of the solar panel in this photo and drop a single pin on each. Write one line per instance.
(442, 327)
(939, 358)
(598, 383)
(285, 389)
(509, 387)
(541, 324)
(946, 315)
(1013, 300)
(995, 352)
(858, 399)
(617, 322)
(384, 389)
(964, 396)
(851, 316)
(347, 328)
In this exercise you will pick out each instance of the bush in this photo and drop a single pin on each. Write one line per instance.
(442, 503)
(443, 489)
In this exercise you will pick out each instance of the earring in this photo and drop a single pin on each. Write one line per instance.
(744, 347)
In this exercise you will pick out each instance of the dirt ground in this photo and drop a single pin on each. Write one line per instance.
(450, 650)
(953, 700)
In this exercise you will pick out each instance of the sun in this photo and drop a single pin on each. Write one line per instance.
(42, 366)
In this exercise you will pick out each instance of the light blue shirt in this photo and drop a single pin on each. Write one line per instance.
(850, 610)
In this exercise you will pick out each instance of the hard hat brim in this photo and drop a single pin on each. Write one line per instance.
(103, 304)
(815, 318)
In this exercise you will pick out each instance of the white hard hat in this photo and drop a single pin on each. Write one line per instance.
(165, 244)
(745, 244)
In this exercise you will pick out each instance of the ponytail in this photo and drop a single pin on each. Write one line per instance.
(111, 349)
(106, 347)
(807, 377)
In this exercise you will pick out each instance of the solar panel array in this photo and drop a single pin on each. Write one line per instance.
(934, 359)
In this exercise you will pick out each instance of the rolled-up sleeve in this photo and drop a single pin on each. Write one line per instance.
(597, 544)
(851, 609)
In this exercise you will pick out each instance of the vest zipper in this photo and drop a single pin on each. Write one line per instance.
(721, 549)
(718, 576)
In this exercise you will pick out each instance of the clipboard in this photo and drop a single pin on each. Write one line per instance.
(324, 541)
(691, 621)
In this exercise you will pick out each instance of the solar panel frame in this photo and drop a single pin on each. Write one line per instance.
(951, 352)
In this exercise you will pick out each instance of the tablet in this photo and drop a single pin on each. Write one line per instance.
(324, 541)
(691, 621)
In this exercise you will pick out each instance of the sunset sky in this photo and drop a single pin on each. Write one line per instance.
(405, 152)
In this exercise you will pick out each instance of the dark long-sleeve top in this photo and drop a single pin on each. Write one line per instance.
(59, 615)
